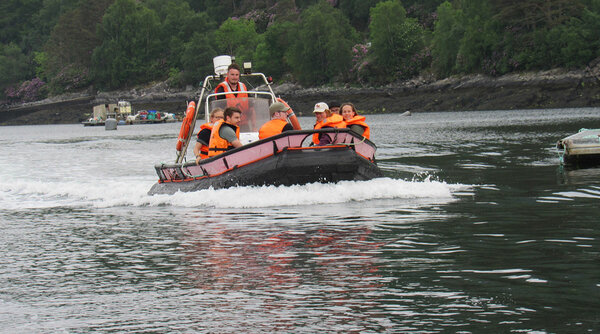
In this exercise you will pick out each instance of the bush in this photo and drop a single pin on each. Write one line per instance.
(70, 78)
(28, 91)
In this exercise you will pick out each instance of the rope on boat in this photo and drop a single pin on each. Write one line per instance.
(561, 155)
(360, 142)
(346, 144)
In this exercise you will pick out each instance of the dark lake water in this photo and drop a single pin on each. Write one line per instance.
(476, 228)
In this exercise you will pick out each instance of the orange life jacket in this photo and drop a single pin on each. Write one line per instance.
(271, 128)
(204, 148)
(218, 145)
(333, 121)
(359, 120)
(237, 98)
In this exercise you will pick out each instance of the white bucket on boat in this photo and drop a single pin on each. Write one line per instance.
(221, 63)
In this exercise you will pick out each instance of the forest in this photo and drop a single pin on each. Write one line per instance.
(51, 47)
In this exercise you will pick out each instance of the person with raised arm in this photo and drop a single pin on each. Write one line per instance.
(280, 114)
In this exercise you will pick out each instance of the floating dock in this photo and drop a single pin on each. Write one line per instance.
(582, 148)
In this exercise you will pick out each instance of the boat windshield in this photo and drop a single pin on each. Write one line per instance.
(255, 109)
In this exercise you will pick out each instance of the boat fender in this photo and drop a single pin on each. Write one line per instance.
(185, 125)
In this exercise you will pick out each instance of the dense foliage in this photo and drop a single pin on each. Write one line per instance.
(56, 46)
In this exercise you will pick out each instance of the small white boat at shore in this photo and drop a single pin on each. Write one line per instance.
(580, 149)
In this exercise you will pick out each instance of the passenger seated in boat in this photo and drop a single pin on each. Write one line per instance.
(280, 113)
(334, 106)
(236, 96)
(225, 134)
(203, 138)
(325, 119)
(354, 121)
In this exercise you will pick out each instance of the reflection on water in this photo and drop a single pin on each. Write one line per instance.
(573, 176)
(411, 270)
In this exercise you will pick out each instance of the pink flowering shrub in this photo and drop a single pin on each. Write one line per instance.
(415, 64)
(360, 70)
(28, 91)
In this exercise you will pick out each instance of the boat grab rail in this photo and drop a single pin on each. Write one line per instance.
(256, 94)
(288, 139)
(307, 133)
(267, 148)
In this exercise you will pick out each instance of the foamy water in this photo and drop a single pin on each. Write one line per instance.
(28, 194)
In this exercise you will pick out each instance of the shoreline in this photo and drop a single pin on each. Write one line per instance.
(532, 90)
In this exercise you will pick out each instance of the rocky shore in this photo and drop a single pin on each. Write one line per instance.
(550, 89)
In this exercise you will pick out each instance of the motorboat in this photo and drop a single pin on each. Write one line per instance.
(285, 159)
(580, 149)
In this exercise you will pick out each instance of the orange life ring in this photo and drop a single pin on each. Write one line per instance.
(185, 125)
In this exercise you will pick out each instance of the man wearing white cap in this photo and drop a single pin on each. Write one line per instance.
(325, 119)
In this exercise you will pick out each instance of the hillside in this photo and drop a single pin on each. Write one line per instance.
(549, 89)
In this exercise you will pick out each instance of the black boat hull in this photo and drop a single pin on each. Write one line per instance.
(288, 167)
(284, 159)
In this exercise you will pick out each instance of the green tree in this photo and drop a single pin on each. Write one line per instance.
(395, 39)
(45, 18)
(481, 48)
(197, 58)
(217, 9)
(424, 11)
(178, 24)
(573, 44)
(237, 38)
(14, 67)
(16, 19)
(322, 50)
(357, 12)
(536, 14)
(130, 52)
(270, 52)
(539, 34)
(446, 39)
(68, 52)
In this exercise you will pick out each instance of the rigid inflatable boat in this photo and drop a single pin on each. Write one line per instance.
(285, 159)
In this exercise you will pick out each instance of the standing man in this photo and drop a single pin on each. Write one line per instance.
(237, 95)
(225, 134)
(232, 84)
